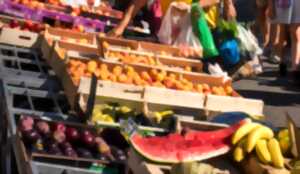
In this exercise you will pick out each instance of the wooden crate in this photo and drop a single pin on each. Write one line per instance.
(60, 34)
(141, 46)
(234, 104)
(20, 38)
(251, 165)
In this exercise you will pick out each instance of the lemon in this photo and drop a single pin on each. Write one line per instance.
(283, 133)
(285, 144)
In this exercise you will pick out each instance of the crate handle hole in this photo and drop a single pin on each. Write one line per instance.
(25, 37)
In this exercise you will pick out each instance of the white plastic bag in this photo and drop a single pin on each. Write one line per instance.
(176, 28)
(216, 70)
(248, 41)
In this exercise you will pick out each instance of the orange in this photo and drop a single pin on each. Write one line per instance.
(169, 82)
(229, 90)
(104, 75)
(199, 88)
(122, 78)
(145, 76)
(97, 73)
(188, 68)
(117, 70)
(91, 66)
(113, 78)
(103, 67)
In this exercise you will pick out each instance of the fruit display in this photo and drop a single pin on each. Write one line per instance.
(114, 112)
(27, 25)
(37, 4)
(128, 75)
(137, 58)
(257, 138)
(103, 9)
(184, 51)
(55, 138)
(189, 146)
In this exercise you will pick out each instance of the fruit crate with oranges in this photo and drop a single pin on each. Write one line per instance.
(52, 35)
(147, 54)
(68, 65)
(159, 49)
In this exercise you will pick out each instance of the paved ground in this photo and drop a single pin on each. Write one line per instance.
(279, 95)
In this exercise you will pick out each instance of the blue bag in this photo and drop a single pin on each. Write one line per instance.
(229, 51)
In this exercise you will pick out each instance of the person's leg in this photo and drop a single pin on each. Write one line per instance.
(264, 25)
(279, 42)
(295, 40)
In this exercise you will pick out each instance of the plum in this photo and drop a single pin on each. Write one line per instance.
(31, 136)
(43, 127)
(88, 139)
(26, 123)
(84, 153)
(70, 152)
(54, 150)
(72, 134)
(59, 136)
(59, 127)
(66, 145)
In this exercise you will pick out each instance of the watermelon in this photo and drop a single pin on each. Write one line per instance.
(192, 146)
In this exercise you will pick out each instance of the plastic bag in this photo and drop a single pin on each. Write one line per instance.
(248, 42)
(172, 22)
(201, 29)
(183, 36)
(229, 51)
(187, 39)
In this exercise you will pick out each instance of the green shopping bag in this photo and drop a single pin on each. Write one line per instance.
(201, 29)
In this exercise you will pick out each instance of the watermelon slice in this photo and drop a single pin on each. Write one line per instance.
(193, 146)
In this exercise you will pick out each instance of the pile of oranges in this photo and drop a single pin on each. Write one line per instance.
(128, 75)
(125, 57)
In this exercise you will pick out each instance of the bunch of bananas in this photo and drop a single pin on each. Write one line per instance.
(254, 136)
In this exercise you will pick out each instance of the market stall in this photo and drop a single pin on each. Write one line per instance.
(78, 101)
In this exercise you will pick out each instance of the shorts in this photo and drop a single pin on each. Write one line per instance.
(261, 3)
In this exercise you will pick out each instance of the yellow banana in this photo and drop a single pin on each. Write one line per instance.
(276, 155)
(238, 154)
(261, 132)
(243, 131)
(262, 151)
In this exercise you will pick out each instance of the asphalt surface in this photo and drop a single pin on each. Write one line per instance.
(279, 95)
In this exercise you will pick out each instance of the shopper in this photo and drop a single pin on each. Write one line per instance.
(286, 12)
(137, 5)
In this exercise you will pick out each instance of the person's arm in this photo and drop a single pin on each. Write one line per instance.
(208, 3)
(229, 9)
(132, 10)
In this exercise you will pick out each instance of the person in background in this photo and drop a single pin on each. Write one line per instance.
(136, 5)
(287, 13)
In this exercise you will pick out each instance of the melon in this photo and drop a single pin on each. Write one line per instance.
(192, 146)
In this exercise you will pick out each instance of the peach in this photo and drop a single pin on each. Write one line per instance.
(117, 70)
(122, 78)
(91, 66)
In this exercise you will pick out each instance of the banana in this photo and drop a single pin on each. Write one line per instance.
(238, 154)
(243, 131)
(262, 151)
(261, 132)
(276, 155)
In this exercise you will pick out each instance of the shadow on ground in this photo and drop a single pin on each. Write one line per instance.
(272, 98)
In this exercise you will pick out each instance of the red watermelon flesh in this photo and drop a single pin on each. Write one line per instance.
(193, 146)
